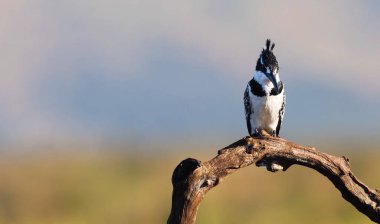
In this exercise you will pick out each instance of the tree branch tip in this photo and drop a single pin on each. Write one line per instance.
(184, 169)
(347, 160)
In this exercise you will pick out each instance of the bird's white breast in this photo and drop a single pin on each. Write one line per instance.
(266, 111)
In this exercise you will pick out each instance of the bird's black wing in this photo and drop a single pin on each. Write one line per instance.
(281, 113)
(248, 109)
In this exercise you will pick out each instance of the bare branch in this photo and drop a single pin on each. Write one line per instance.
(192, 179)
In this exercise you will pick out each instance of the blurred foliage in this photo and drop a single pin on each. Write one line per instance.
(135, 188)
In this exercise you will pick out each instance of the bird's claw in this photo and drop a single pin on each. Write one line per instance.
(257, 133)
(273, 133)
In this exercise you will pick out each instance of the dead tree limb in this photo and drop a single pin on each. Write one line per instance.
(192, 179)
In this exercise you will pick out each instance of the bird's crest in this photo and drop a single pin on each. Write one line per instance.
(268, 45)
(267, 58)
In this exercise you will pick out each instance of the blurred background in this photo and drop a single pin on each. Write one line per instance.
(100, 100)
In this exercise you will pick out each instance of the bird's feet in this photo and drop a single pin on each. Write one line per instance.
(257, 133)
(273, 133)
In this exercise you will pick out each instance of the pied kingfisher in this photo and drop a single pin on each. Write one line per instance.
(264, 97)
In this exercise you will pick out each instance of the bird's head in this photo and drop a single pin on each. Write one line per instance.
(267, 64)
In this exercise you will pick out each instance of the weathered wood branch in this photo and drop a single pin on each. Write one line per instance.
(192, 179)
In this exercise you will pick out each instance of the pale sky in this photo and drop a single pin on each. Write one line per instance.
(134, 69)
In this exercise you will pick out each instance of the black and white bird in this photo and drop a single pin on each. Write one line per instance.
(264, 97)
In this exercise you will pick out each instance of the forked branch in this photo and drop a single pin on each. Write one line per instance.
(192, 179)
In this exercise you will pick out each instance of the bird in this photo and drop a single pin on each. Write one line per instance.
(264, 96)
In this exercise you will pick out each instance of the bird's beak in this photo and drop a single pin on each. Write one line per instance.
(271, 77)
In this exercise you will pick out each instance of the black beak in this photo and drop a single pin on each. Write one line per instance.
(271, 77)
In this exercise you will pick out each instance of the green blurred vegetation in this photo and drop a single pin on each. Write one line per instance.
(80, 188)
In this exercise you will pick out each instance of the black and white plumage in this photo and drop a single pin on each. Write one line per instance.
(264, 97)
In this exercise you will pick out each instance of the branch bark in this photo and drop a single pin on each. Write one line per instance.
(192, 179)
